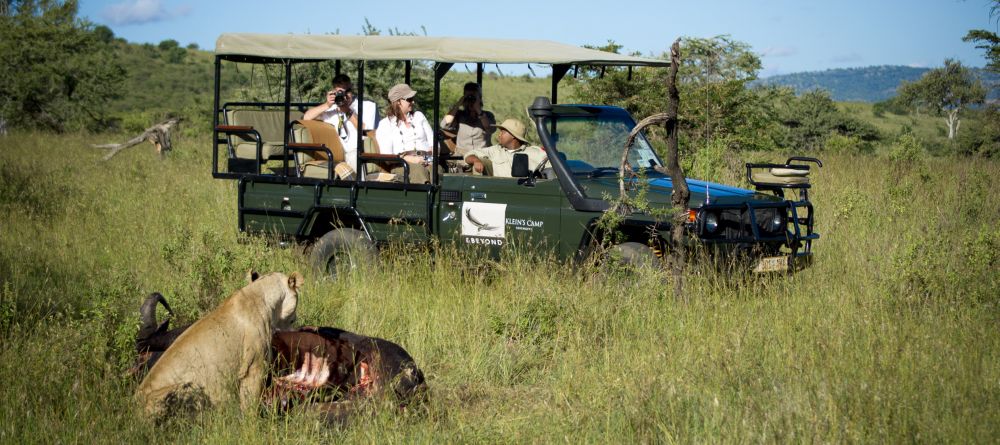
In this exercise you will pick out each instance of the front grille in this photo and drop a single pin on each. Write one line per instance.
(736, 223)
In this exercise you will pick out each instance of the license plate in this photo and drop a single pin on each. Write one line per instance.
(772, 264)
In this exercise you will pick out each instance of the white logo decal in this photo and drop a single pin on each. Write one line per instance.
(483, 219)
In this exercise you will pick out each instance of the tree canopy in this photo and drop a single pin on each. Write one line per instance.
(712, 79)
(945, 91)
(988, 40)
(58, 71)
(720, 110)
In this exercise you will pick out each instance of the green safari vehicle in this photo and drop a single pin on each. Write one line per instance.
(554, 208)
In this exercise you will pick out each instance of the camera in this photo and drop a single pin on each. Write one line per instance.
(470, 98)
(340, 97)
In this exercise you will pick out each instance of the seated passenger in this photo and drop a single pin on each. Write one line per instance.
(472, 125)
(497, 160)
(406, 132)
(341, 111)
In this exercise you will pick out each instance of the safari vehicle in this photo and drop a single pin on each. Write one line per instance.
(262, 147)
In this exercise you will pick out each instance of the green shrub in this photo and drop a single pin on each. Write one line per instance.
(906, 147)
(709, 162)
(137, 122)
(847, 145)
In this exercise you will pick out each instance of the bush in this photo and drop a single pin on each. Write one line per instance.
(983, 135)
(841, 144)
(135, 123)
(906, 147)
(168, 44)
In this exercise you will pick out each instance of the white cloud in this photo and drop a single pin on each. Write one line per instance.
(779, 51)
(137, 12)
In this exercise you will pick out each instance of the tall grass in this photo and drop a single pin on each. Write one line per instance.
(891, 336)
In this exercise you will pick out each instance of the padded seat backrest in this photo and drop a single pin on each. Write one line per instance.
(370, 143)
(769, 178)
(269, 123)
(319, 132)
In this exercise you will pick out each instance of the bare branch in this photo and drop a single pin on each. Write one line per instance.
(655, 119)
(158, 135)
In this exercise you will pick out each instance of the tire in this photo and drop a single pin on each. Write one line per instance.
(634, 255)
(341, 250)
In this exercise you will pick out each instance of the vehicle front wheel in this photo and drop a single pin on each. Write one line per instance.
(342, 250)
(635, 255)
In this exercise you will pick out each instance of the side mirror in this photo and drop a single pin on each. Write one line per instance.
(519, 169)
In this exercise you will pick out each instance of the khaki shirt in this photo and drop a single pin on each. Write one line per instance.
(503, 159)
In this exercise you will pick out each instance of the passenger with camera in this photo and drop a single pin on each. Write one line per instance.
(341, 111)
(471, 125)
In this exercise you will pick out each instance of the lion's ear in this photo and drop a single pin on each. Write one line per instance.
(295, 281)
(252, 276)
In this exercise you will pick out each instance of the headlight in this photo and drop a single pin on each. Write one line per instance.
(777, 222)
(711, 222)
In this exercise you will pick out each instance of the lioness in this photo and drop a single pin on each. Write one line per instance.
(226, 353)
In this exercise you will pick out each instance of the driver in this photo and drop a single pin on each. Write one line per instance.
(497, 160)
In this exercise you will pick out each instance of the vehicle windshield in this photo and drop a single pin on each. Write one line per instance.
(593, 141)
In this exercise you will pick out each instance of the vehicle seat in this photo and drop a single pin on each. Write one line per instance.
(316, 164)
(370, 143)
(375, 171)
(270, 125)
(782, 176)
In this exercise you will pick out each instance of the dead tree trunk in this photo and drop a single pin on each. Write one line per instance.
(680, 194)
(158, 135)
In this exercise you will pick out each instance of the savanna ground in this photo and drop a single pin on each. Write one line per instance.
(892, 336)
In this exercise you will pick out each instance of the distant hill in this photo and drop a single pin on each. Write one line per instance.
(868, 84)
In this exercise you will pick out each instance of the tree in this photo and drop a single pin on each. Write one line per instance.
(713, 79)
(947, 90)
(59, 72)
(313, 80)
(988, 40)
(811, 118)
(989, 138)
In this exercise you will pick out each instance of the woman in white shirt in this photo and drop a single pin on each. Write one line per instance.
(406, 132)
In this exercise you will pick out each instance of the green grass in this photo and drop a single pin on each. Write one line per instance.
(929, 128)
(890, 337)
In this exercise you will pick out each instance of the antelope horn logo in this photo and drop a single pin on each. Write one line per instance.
(479, 226)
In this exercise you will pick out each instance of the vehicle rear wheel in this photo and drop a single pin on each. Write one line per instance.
(342, 250)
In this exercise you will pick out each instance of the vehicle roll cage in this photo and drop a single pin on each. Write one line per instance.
(289, 50)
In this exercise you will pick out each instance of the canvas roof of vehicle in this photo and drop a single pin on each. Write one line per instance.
(437, 49)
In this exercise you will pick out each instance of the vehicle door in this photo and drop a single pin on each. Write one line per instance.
(394, 211)
(499, 215)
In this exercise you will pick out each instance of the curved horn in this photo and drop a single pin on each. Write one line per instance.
(147, 315)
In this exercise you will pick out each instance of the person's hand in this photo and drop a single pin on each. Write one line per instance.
(330, 95)
(455, 107)
(477, 164)
(414, 159)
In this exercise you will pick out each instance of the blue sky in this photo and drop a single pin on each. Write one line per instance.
(790, 35)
